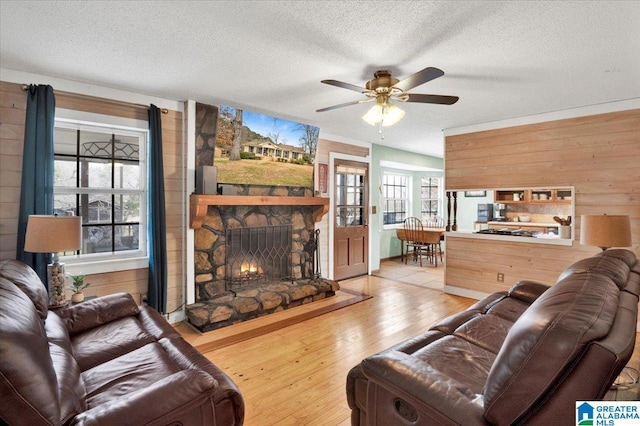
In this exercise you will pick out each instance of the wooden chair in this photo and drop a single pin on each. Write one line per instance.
(436, 222)
(413, 232)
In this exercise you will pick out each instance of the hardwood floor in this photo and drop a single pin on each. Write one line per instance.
(296, 375)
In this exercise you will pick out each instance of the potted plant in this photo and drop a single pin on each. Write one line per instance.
(77, 287)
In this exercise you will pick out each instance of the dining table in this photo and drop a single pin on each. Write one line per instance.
(400, 233)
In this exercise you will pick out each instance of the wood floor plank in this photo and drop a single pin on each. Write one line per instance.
(295, 374)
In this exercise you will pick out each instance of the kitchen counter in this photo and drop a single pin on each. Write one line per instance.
(510, 238)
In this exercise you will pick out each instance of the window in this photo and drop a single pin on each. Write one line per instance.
(395, 198)
(350, 196)
(100, 175)
(430, 198)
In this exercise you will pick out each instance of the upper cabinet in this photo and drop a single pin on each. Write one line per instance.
(534, 196)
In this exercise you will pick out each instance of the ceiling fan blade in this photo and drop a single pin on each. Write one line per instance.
(342, 105)
(419, 78)
(430, 99)
(345, 85)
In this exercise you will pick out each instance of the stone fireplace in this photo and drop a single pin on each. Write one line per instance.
(253, 260)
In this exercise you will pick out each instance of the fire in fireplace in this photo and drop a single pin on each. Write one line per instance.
(257, 254)
(248, 272)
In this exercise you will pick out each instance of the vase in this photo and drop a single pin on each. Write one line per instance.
(77, 297)
(565, 231)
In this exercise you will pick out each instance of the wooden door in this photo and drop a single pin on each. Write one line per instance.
(351, 232)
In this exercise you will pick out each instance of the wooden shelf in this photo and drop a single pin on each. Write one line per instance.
(201, 202)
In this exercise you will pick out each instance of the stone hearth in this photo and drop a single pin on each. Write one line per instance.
(257, 300)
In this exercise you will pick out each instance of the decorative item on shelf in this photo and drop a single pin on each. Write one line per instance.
(77, 287)
(605, 231)
(54, 234)
(565, 226)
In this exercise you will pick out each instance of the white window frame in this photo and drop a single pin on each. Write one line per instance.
(96, 263)
(440, 198)
(407, 200)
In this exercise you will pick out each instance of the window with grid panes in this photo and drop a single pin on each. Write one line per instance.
(100, 174)
(395, 198)
(430, 198)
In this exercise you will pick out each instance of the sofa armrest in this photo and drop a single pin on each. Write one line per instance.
(166, 400)
(96, 312)
(434, 394)
(528, 291)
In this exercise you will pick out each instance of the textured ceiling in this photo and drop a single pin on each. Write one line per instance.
(503, 59)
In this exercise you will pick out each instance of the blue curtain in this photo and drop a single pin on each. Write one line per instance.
(36, 193)
(156, 222)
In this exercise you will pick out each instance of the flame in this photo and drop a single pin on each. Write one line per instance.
(249, 268)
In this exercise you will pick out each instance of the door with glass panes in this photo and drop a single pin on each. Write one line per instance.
(351, 241)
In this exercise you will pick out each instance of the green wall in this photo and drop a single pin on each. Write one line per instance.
(384, 243)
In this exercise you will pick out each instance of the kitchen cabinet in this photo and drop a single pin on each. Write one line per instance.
(510, 196)
(554, 196)
(533, 196)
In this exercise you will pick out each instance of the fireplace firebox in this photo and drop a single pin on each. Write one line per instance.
(257, 254)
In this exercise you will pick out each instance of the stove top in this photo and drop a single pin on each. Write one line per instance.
(507, 231)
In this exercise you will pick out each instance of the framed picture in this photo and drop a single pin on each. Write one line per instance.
(475, 193)
(322, 177)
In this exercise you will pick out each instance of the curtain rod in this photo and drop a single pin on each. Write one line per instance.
(25, 87)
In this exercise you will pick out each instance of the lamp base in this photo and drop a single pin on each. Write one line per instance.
(56, 278)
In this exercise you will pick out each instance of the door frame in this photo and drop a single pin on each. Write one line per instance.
(333, 156)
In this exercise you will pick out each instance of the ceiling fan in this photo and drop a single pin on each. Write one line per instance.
(384, 88)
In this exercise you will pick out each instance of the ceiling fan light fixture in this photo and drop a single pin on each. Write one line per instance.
(391, 115)
(386, 113)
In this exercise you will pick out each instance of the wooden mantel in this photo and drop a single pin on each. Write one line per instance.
(200, 203)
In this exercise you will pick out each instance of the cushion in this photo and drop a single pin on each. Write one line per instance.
(611, 267)
(28, 383)
(97, 312)
(113, 339)
(509, 309)
(485, 331)
(128, 373)
(545, 340)
(626, 256)
(460, 360)
(28, 281)
(67, 370)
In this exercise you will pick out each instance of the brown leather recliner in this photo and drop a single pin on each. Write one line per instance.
(102, 362)
(518, 357)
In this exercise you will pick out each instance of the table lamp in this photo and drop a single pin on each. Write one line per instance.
(605, 231)
(54, 234)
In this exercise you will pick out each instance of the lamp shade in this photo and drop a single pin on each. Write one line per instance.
(605, 231)
(53, 234)
(388, 113)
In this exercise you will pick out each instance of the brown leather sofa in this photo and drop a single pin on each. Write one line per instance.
(102, 362)
(519, 357)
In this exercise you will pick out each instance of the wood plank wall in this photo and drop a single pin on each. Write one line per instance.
(599, 155)
(12, 116)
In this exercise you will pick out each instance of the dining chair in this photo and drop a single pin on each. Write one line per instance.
(436, 222)
(413, 232)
